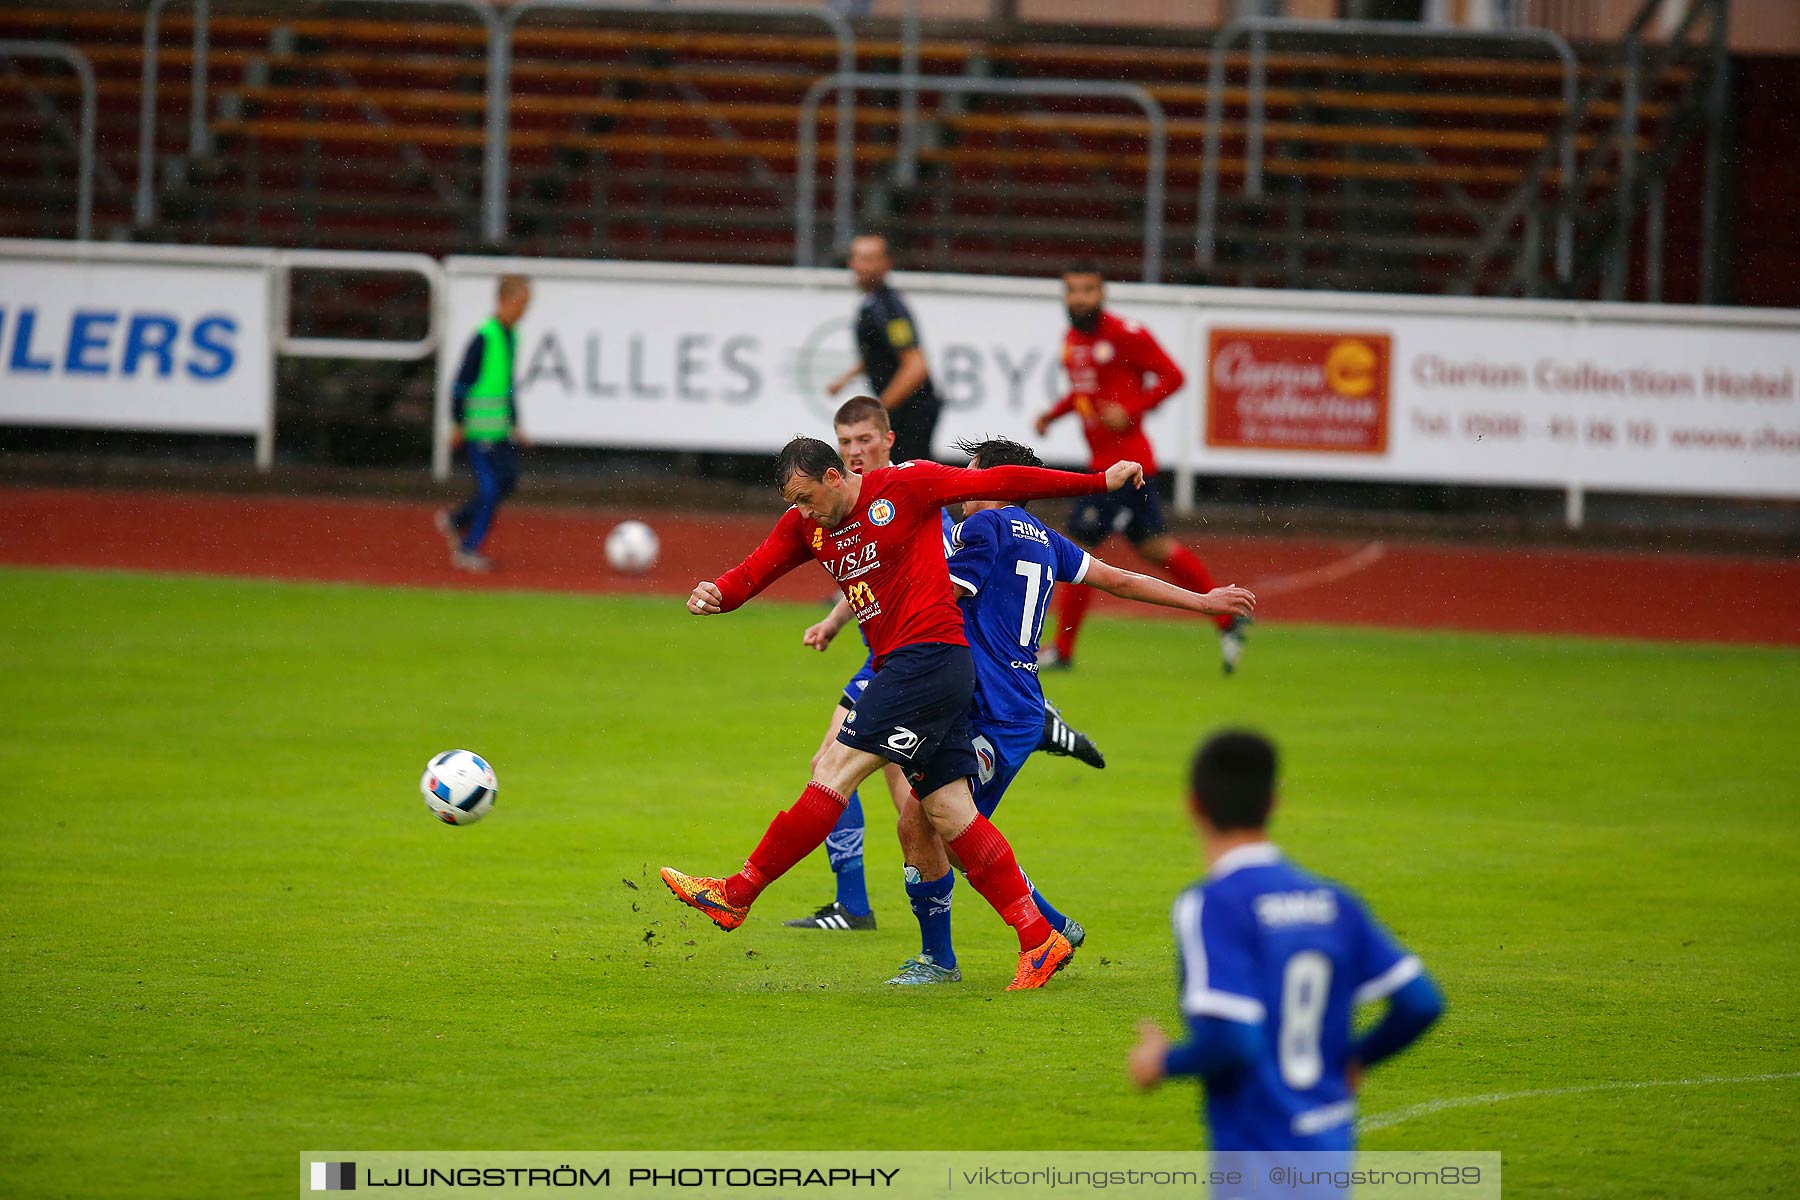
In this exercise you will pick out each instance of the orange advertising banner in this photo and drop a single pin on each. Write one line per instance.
(1269, 389)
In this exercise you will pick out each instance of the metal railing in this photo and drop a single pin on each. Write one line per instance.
(499, 26)
(275, 268)
(1258, 29)
(1609, 259)
(1643, 62)
(144, 209)
(285, 262)
(84, 147)
(500, 86)
(284, 343)
(906, 163)
(1155, 170)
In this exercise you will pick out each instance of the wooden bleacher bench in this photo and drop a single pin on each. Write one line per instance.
(1169, 94)
(441, 135)
(438, 69)
(471, 36)
(1192, 130)
(422, 100)
(1276, 99)
(468, 35)
(783, 150)
(1132, 161)
(1197, 63)
(1285, 97)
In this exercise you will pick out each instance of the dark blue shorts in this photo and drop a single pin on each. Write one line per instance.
(1134, 512)
(915, 713)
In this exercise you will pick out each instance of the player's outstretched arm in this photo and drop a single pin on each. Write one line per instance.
(947, 485)
(782, 551)
(819, 636)
(1230, 601)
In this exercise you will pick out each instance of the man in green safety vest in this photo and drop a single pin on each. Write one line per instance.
(485, 414)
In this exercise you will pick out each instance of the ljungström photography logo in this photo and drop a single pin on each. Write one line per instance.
(334, 1177)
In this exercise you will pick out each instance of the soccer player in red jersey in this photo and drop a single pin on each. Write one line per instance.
(880, 537)
(865, 443)
(1117, 375)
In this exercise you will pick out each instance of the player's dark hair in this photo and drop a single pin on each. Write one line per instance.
(1234, 779)
(809, 457)
(1084, 266)
(998, 452)
(858, 409)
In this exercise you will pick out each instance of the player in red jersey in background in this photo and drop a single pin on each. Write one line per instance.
(880, 537)
(1117, 375)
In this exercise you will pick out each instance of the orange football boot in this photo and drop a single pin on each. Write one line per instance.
(1037, 966)
(708, 897)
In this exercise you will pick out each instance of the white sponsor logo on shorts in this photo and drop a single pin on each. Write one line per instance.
(902, 741)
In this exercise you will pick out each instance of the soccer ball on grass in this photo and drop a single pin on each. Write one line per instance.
(459, 787)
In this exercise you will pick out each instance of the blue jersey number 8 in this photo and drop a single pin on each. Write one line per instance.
(1305, 989)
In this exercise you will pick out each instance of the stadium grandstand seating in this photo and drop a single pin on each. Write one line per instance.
(677, 142)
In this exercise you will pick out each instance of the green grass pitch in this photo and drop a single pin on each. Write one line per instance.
(232, 932)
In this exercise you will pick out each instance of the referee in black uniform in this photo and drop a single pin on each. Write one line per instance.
(887, 341)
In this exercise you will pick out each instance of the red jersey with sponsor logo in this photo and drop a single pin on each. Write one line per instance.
(888, 555)
(1109, 366)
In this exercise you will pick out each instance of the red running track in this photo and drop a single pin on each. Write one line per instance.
(1399, 585)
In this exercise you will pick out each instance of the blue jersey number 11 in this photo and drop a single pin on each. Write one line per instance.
(1031, 621)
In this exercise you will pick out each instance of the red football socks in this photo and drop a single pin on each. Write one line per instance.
(792, 836)
(988, 861)
(1192, 574)
(1075, 601)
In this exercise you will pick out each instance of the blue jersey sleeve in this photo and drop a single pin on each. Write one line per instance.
(1214, 1047)
(1383, 965)
(1218, 962)
(1411, 1011)
(974, 548)
(1072, 561)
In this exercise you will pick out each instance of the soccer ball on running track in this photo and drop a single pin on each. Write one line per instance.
(632, 547)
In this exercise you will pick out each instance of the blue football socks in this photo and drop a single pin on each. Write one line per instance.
(844, 850)
(931, 905)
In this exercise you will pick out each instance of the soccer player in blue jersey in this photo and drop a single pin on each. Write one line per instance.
(1004, 565)
(866, 440)
(1274, 961)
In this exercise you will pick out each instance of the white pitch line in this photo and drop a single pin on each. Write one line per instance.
(1343, 568)
(1389, 1119)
